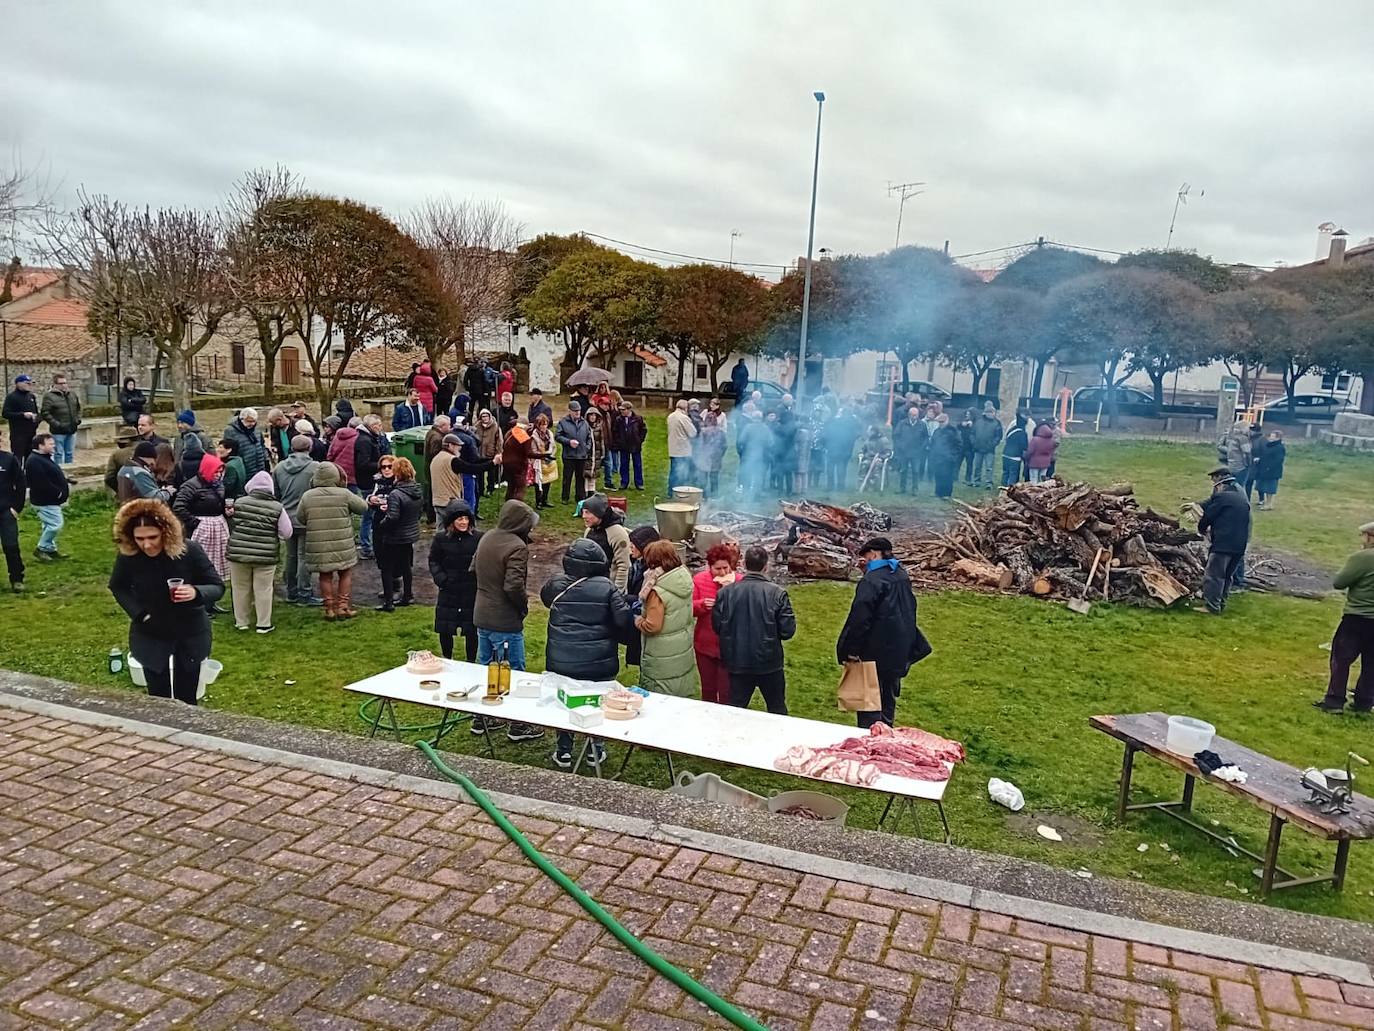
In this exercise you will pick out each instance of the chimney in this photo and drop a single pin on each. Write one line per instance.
(1336, 257)
(1324, 232)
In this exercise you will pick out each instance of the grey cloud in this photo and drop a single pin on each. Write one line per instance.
(672, 124)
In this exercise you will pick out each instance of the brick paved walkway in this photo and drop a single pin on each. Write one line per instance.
(145, 885)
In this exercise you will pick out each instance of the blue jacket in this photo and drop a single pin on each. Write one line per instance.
(405, 417)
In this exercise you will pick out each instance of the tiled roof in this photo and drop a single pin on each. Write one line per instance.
(382, 363)
(31, 279)
(69, 312)
(30, 342)
(649, 358)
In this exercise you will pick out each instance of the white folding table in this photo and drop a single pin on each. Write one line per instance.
(667, 724)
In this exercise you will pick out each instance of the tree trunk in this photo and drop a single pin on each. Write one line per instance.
(1157, 382)
(182, 375)
(977, 382)
(681, 369)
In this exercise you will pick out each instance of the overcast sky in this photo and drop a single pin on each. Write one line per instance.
(671, 124)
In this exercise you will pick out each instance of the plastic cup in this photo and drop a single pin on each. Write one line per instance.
(172, 584)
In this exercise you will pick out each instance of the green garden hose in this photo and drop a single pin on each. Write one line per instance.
(692, 987)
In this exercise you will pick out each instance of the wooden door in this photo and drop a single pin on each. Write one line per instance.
(290, 366)
(634, 375)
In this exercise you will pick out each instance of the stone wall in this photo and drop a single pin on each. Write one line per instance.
(1351, 430)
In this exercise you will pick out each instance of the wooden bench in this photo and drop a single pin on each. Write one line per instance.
(1272, 786)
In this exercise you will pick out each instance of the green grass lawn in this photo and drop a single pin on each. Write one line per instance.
(1014, 679)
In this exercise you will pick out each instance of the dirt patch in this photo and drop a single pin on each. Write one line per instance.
(1281, 572)
(1075, 831)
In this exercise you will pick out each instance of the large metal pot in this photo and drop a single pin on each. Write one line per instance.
(676, 519)
(708, 537)
(692, 495)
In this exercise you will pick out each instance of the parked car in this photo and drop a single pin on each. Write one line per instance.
(1306, 406)
(772, 392)
(923, 389)
(1093, 396)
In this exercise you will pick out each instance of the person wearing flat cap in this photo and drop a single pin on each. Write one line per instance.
(136, 480)
(1354, 637)
(881, 627)
(1226, 523)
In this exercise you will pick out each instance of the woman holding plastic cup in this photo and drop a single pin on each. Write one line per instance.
(164, 582)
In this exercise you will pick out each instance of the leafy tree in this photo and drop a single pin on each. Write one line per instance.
(1040, 270)
(572, 298)
(535, 259)
(1265, 325)
(1130, 319)
(717, 312)
(353, 278)
(1348, 346)
(900, 297)
(982, 326)
(634, 313)
(1189, 266)
(829, 327)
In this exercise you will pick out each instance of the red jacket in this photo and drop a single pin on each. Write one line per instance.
(704, 638)
(426, 385)
(341, 453)
(1040, 451)
(505, 385)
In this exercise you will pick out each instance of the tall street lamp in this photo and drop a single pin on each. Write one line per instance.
(810, 242)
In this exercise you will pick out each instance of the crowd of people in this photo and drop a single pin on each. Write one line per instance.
(218, 511)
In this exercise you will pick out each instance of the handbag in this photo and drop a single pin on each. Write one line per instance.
(858, 690)
(548, 471)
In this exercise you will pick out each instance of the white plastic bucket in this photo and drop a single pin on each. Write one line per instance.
(210, 669)
(711, 788)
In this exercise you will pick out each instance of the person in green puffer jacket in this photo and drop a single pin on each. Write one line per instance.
(668, 662)
(326, 515)
(257, 523)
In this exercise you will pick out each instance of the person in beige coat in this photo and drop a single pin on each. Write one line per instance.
(681, 430)
(326, 515)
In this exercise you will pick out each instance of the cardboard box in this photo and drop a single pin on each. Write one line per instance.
(576, 695)
(586, 716)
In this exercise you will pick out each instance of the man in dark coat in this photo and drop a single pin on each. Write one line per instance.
(475, 383)
(1014, 449)
(881, 627)
(501, 565)
(739, 379)
(21, 410)
(12, 491)
(752, 618)
(840, 436)
(588, 615)
(909, 440)
(367, 457)
(450, 564)
(1226, 521)
(538, 407)
(244, 432)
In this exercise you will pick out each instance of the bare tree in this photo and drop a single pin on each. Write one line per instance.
(474, 248)
(260, 286)
(24, 200)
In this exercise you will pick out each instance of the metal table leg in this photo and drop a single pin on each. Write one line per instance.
(1124, 798)
(943, 821)
(1188, 783)
(1271, 855)
(452, 718)
(886, 809)
(384, 706)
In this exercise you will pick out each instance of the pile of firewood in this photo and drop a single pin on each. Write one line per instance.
(1043, 539)
(822, 540)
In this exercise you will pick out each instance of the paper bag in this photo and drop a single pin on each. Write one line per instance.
(858, 691)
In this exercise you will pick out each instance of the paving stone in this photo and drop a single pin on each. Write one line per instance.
(154, 886)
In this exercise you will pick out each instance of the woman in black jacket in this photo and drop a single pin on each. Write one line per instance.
(131, 402)
(164, 582)
(587, 618)
(395, 532)
(450, 564)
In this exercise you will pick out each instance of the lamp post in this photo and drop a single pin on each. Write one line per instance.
(810, 242)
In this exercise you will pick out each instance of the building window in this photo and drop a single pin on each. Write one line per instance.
(886, 372)
(237, 359)
(702, 371)
(105, 375)
(1338, 383)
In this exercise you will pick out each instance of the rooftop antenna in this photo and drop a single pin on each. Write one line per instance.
(1181, 199)
(905, 191)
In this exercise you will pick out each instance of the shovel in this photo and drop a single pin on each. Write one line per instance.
(1081, 604)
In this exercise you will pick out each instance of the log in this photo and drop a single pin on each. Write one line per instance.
(1133, 552)
(1023, 573)
(1162, 587)
(1041, 586)
(1119, 490)
(983, 573)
